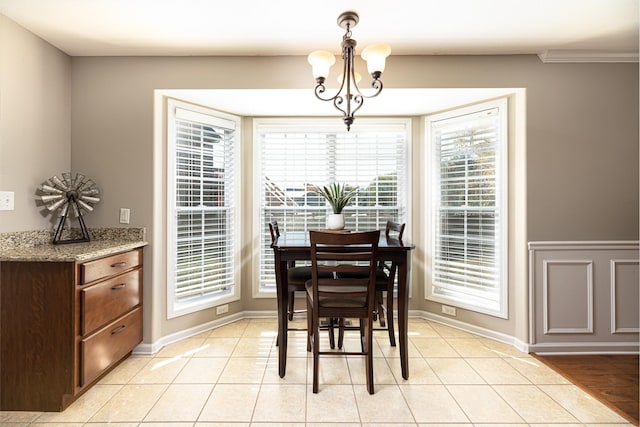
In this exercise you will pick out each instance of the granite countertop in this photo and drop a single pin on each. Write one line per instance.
(37, 246)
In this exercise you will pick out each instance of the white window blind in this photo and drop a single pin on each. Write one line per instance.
(468, 208)
(298, 155)
(203, 178)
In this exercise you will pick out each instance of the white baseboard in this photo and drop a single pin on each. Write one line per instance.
(473, 329)
(542, 349)
(585, 348)
(149, 349)
(153, 348)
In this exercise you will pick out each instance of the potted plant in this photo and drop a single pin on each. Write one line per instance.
(338, 197)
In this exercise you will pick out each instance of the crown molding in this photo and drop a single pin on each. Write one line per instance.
(566, 55)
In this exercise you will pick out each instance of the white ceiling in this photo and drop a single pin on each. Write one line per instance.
(580, 28)
(296, 27)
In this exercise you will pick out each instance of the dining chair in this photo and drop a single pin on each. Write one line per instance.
(350, 295)
(385, 283)
(296, 276)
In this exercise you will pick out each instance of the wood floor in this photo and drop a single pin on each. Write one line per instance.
(612, 379)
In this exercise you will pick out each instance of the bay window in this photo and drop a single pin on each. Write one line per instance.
(467, 208)
(203, 207)
(296, 156)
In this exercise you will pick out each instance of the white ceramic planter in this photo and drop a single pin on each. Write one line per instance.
(335, 221)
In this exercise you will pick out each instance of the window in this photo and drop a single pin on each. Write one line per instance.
(467, 208)
(202, 237)
(295, 156)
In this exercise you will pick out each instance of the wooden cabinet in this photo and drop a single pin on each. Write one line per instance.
(63, 325)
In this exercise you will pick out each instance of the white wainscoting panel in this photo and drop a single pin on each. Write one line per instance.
(567, 284)
(584, 297)
(625, 276)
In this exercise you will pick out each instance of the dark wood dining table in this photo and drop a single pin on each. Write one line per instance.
(295, 246)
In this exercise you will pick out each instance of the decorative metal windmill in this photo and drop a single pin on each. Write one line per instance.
(70, 193)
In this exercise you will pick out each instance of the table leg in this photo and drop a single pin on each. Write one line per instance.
(282, 299)
(403, 314)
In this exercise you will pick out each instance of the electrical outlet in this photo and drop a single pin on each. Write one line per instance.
(125, 215)
(451, 311)
(6, 200)
(221, 309)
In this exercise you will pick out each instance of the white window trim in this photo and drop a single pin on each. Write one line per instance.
(176, 310)
(502, 199)
(311, 124)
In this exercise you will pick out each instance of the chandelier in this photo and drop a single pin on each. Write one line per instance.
(349, 93)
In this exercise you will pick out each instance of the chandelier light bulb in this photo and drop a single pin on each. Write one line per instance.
(376, 55)
(340, 78)
(321, 62)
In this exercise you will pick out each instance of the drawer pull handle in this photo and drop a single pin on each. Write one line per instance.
(118, 287)
(120, 329)
(118, 264)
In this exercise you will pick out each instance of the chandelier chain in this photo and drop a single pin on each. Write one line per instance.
(347, 34)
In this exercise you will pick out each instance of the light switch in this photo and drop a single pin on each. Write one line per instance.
(124, 215)
(6, 200)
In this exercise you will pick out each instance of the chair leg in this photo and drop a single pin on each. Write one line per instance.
(390, 328)
(330, 326)
(316, 351)
(340, 332)
(309, 324)
(368, 344)
(379, 307)
(292, 297)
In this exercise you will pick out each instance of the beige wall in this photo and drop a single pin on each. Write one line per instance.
(575, 158)
(35, 122)
(579, 118)
(582, 137)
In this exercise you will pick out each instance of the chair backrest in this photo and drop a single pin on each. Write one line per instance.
(351, 258)
(274, 230)
(396, 227)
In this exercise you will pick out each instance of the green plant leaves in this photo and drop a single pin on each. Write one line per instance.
(337, 195)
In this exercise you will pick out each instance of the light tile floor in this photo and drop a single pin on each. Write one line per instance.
(229, 377)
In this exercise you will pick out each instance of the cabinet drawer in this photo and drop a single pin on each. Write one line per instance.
(109, 345)
(109, 266)
(108, 300)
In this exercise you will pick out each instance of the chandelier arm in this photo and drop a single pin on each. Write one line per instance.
(358, 100)
(337, 100)
(375, 84)
(347, 115)
(320, 89)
